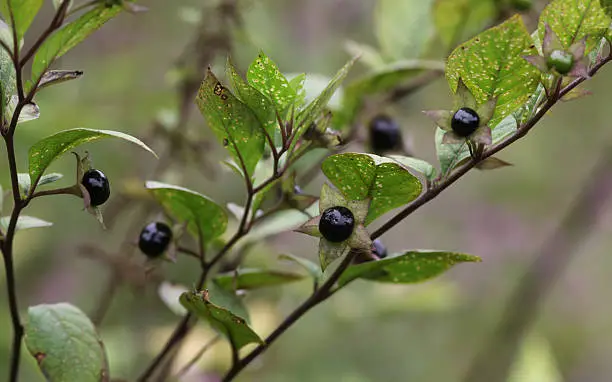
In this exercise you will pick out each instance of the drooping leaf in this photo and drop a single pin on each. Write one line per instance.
(573, 20)
(316, 108)
(406, 268)
(492, 65)
(492, 163)
(20, 14)
(201, 213)
(417, 164)
(69, 36)
(313, 269)
(254, 99)
(224, 321)
(45, 151)
(8, 84)
(53, 77)
(458, 20)
(361, 176)
(24, 222)
(233, 122)
(403, 27)
(248, 278)
(264, 75)
(65, 344)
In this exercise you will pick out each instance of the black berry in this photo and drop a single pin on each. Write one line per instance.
(96, 184)
(385, 134)
(337, 224)
(379, 249)
(465, 122)
(154, 239)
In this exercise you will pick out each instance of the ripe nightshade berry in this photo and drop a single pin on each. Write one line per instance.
(379, 249)
(96, 184)
(385, 134)
(337, 224)
(154, 239)
(465, 122)
(561, 61)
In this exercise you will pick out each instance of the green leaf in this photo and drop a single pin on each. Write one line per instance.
(381, 80)
(451, 154)
(200, 212)
(403, 27)
(246, 278)
(317, 107)
(535, 362)
(573, 20)
(417, 164)
(24, 222)
(233, 122)
(50, 178)
(410, 267)
(606, 5)
(264, 75)
(45, 151)
(492, 65)
(312, 268)
(65, 344)
(20, 14)
(227, 299)
(224, 321)
(458, 20)
(259, 104)
(69, 36)
(361, 176)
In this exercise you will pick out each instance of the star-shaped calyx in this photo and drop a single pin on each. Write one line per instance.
(468, 120)
(339, 225)
(556, 60)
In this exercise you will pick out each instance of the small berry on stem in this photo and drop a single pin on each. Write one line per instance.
(97, 185)
(154, 239)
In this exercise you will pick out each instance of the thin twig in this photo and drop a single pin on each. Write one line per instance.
(197, 356)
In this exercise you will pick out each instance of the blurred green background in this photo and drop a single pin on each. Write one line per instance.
(368, 332)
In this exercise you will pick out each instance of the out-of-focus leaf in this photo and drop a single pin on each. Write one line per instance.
(65, 344)
(170, 294)
(20, 14)
(535, 362)
(312, 268)
(248, 278)
(417, 164)
(24, 222)
(458, 20)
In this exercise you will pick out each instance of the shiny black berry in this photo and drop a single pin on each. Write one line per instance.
(337, 224)
(154, 239)
(465, 122)
(385, 134)
(379, 249)
(96, 184)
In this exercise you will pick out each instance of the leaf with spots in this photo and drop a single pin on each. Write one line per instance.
(572, 20)
(264, 75)
(362, 176)
(249, 278)
(352, 173)
(406, 268)
(45, 151)
(187, 206)
(233, 327)
(233, 122)
(69, 36)
(65, 344)
(458, 20)
(261, 106)
(492, 65)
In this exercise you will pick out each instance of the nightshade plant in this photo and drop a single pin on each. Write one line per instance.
(504, 81)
